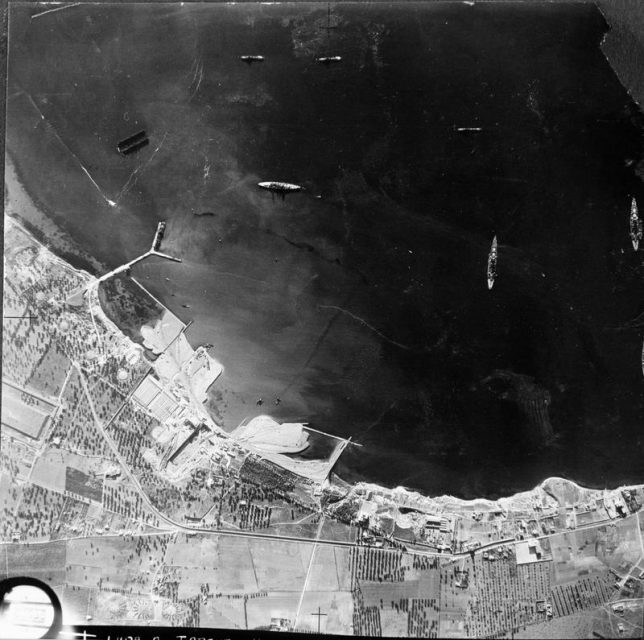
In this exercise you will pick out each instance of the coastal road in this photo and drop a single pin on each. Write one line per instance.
(590, 525)
(178, 526)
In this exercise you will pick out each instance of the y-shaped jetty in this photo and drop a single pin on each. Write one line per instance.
(76, 296)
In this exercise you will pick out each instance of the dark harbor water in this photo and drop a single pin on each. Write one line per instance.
(361, 302)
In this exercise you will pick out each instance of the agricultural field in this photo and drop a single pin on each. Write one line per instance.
(16, 458)
(49, 471)
(32, 353)
(60, 470)
(72, 520)
(24, 412)
(330, 569)
(50, 372)
(337, 531)
(572, 559)
(279, 605)
(256, 610)
(107, 400)
(476, 532)
(74, 427)
(231, 569)
(393, 593)
(251, 506)
(84, 485)
(188, 550)
(199, 498)
(224, 612)
(165, 496)
(10, 497)
(337, 606)
(595, 550)
(44, 561)
(394, 622)
(504, 595)
(13, 304)
(599, 622)
(124, 562)
(236, 568)
(622, 546)
(108, 607)
(38, 513)
(25, 347)
(76, 603)
(121, 497)
(102, 522)
(582, 594)
(83, 575)
(279, 565)
(193, 559)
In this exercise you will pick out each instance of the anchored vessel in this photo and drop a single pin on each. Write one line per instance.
(158, 236)
(250, 59)
(327, 60)
(133, 143)
(280, 188)
(491, 265)
(636, 225)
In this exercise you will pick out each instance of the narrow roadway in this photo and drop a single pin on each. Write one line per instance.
(173, 523)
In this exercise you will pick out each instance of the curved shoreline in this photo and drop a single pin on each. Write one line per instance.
(398, 491)
(16, 190)
(34, 219)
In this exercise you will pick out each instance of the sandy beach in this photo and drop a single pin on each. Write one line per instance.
(19, 204)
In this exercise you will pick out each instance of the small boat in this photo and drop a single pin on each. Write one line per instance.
(643, 359)
(491, 264)
(635, 225)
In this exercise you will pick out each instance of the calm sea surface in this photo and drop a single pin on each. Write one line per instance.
(361, 303)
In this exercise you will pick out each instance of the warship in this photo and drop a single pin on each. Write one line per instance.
(250, 59)
(491, 264)
(280, 188)
(327, 60)
(636, 225)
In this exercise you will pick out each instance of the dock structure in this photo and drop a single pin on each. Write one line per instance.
(330, 435)
(77, 294)
(131, 263)
(154, 251)
(337, 452)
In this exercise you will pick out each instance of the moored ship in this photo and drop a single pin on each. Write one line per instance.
(280, 188)
(251, 59)
(635, 225)
(491, 264)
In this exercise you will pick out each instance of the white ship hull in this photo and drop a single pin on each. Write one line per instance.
(491, 264)
(635, 225)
